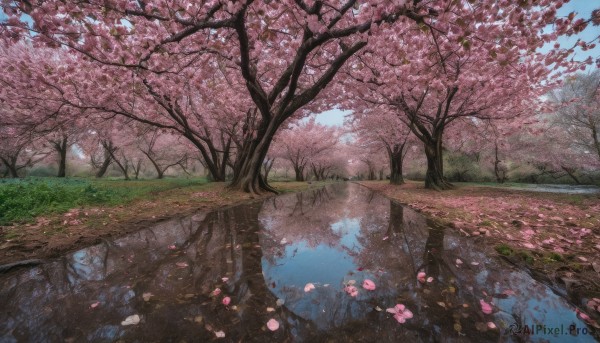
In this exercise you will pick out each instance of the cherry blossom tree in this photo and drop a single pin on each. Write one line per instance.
(383, 128)
(163, 150)
(433, 83)
(286, 52)
(304, 144)
(578, 112)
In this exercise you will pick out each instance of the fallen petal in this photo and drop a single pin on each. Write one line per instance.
(216, 292)
(131, 320)
(181, 264)
(273, 324)
(309, 287)
(399, 318)
(219, 334)
(491, 325)
(94, 305)
(485, 307)
(368, 285)
(458, 261)
(430, 279)
(146, 296)
(270, 309)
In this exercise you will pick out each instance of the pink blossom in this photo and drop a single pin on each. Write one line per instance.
(309, 287)
(273, 324)
(421, 277)
(226, 301)
(353, 291)
(368, 285)
(216, 292)
(485, 307)
(401, 313)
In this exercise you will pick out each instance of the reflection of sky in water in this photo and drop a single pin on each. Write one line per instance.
(348, 229)
(301, 264)
(322, 264)
(328, 267)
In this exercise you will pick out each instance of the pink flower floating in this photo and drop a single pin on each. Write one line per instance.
(226, 301)
(309, 287)
(353, 291)
(273, 324)
(401, 313)
(485, 307)
(368, 285)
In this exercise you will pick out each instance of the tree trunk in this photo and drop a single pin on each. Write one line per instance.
(11, 167)
(299, 173)
(434, 178)
(61, 148)
(500, 172)
(124, 168)
(246, 172)
(571, 173)
(106, 163)
(396, 155)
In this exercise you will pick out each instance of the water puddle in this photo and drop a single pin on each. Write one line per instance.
(261, 256)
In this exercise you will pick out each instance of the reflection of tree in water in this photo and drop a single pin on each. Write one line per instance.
(52, 302)
(227, 244)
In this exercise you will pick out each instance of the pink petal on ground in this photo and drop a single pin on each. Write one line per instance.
(485, 307)
(491, 325)
(401, 313)
(430, 279)
(353, 291)
(400, 318)
(386, 237)
(421, 277)
(272, 324)
(459, 261)
(226, 301)
(94, 305)
(583, 315)
(309, 287)
(172, 247)
(369, 285)
(181, 264)
(216, 292)
(224, 279)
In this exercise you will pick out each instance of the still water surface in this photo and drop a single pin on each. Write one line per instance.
(262, 255)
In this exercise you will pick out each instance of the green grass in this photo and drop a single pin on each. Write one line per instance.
(24, 199)
(504, 249)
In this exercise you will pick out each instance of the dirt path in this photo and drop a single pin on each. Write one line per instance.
(55, 235)
(555, 236)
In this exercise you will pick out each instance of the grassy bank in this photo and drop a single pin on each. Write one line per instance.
(23, 200)
(46, 217)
